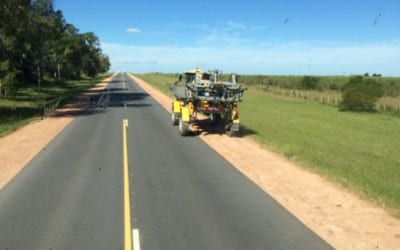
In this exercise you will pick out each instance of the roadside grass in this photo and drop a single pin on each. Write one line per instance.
(160, 81)
(360, 151)
(28, 103)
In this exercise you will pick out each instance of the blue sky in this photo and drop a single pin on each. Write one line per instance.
(331, 37)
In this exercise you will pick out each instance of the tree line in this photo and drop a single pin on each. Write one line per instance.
(36, 41)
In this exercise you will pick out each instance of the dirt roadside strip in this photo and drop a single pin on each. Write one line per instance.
(336, 215)
(18, 148)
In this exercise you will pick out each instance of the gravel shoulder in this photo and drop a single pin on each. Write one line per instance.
(338, 216)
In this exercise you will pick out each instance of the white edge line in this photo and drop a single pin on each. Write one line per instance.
(136, 239)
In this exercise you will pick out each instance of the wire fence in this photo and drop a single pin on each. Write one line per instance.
(384, 104)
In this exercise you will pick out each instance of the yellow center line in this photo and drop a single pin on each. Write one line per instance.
(127, 208)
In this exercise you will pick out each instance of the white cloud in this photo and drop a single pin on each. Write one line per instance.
(321, 58)
(229, 33)
(133, 30)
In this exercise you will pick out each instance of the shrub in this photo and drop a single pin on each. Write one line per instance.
(392, 89)
(333, 86)
(360, 94)
(9, 84)
(309, 82)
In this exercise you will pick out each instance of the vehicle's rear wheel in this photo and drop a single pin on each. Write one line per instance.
(183, 127)
(174, 118)
(232, 129)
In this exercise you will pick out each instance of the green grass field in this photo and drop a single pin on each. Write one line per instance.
(27, 105)
(357, 150)
(160, 81)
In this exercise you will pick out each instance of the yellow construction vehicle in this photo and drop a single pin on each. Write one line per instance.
(203, 93)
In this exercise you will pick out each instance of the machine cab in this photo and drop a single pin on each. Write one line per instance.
(196, 76)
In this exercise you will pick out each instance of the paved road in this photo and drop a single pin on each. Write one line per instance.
(183, 195)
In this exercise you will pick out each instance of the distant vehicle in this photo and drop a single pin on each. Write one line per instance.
(203, 93)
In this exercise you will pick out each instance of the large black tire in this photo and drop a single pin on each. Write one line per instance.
(174, 118)
(215, 119)
(232, 130)
(183, 127)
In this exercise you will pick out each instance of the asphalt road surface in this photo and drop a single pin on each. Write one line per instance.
(182, 194)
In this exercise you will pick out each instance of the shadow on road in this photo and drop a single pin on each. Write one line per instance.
(206, 127)
(97, 101)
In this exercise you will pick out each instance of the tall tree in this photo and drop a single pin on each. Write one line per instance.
(42, 26)
(56, 46)
(13, 18)
(104, 63)
(36, 41)
(91, 54)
